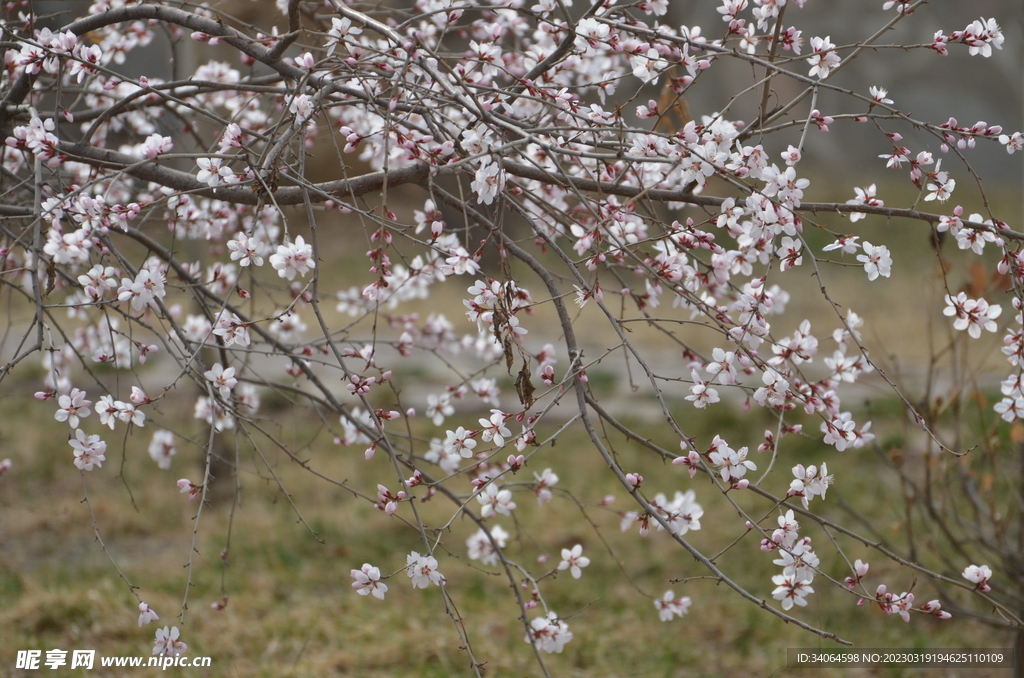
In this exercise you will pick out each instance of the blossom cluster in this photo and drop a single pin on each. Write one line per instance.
(510, 157)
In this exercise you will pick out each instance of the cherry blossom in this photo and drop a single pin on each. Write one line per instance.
(72, 407)
(495, 500)
(293, 258)
(701, 395)
(648, 66)
(439, 407)
(1010, 409)
(860, 570)
(481, 548)
(462, 263)
(460, 441)
(865, 196)
(549, 633)
(972, 315)
(146, 615)
(545, 481)
(941, 188)
(212, 172)
(824, 60)
(222, 379)
(574, 561)
(788, 531)
(791, 591)
(167, 643)
(387, 501)
(902, 605)
(590, 32)
(154, 145)
(89, 450)
(422, 570)
(486, 389)
(246, 250)
(879, 95)
(341, 28)
(798, 561)
(213, 413)
(691, 461)
(722, 365)
(979, 575)
(732, 464)
(900, 5)
(876, 260)
(230, 328)
(108, 410)
(494, 428)
(1013, 143)
(147, 287)
(792, 155)
(367, 582)
(810, 482)
(187, 486)
(38, 138)
(302, 106)
(539, 155)
(129, 413)
(730, 9)
(840, 431)
(682, 514)
(488, 183)
(669, 606)
(981, 36)
(773, 393)
(162, 448)
(934, 608)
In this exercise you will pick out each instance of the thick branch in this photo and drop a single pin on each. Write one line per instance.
(147, 170)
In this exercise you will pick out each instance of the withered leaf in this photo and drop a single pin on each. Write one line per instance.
(524, 387)
(51, 277)
(506, 345)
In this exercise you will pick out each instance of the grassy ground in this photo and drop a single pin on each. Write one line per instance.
(292, 612)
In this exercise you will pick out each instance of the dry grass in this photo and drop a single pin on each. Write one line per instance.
(292, 612)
